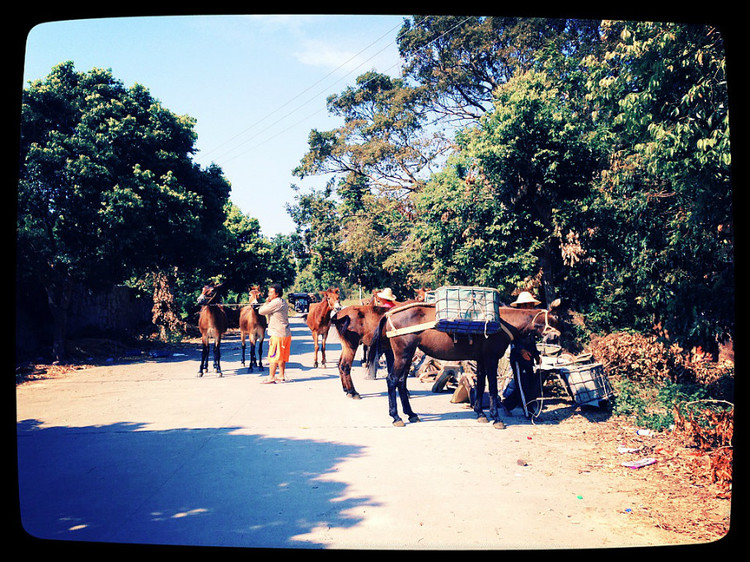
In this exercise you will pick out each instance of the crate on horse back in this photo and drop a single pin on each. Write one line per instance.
(467, 310)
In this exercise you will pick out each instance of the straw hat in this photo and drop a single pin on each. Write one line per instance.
(386, 294)
(524, 297)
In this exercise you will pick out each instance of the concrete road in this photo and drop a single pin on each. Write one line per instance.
(145, 452)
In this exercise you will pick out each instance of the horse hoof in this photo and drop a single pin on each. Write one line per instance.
(315, 365)
(355, 396)
(414, 418)
(398, 423)
(498, 425)
(200, 374)
(482, 419)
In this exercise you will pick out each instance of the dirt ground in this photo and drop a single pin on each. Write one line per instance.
(447, 482)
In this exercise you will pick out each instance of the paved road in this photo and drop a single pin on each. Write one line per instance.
(145, 452)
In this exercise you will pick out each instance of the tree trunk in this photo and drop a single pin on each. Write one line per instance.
(59, 293)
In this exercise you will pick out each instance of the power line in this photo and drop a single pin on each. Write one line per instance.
(274, 135)
(342, 65)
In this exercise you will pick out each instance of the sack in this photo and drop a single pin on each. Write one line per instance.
(467, 310)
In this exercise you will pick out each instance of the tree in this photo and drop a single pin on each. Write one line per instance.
(533, 154)
(382, 139)
(460, 61)
(660, 99)
(107, 188)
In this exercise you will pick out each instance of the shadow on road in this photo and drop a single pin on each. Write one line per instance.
(213, 487)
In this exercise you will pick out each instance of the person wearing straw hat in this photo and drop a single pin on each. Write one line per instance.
(525, 300)
(386, 298)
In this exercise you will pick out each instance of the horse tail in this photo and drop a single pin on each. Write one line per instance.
(373, 351)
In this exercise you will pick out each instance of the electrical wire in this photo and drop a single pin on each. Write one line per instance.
(225, 155)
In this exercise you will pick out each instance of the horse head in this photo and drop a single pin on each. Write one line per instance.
(332, 297)
(544, 324)
(254, 294)
(210, 294)
(421, 294)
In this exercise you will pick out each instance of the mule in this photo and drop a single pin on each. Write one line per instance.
(319, 321)
(519, 326)
(253, 328)
(355, 325)
(212, 323)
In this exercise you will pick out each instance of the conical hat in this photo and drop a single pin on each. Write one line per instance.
(524, 297)
(386, 294)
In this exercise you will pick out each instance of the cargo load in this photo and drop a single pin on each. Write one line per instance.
(467, 310)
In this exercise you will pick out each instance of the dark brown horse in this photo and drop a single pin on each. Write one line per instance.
(356, 325)
(319, 320)
(520, 326)
(253, 327)
(212, 323)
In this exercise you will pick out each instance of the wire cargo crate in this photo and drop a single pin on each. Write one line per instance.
(467, 310)
(587, 384)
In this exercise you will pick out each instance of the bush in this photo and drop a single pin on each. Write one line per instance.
(638, 358)
(651, 379)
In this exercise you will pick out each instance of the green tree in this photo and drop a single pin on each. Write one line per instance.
(460, 61)
(320, 263)
(107, 188)
(382, 138)
(532, 154)
(660, 99)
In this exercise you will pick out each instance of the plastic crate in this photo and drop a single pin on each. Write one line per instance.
(467, 310)
(588, 384)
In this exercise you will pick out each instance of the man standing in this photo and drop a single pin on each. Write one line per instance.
(277, 311)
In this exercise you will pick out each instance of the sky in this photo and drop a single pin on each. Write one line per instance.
(256, 84)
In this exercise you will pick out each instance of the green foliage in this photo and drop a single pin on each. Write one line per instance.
(653, 407)
(105, 174)
(592, 163)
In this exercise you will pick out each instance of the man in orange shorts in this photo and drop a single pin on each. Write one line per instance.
(278, 330)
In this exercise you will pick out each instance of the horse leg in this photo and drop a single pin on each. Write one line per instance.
(324, 336)
(494, 400)
(204, 357)
(253, 357)
(396, 382)
(479, 393)
(260, 353)
(315, 340)
(242, 336)
(403, 393)
(217, 355)
(345, 373)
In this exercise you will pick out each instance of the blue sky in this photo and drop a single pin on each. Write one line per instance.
(256, 85)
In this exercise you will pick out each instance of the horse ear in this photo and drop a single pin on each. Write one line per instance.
(555, 304)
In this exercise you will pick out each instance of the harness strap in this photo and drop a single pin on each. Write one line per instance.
(393, 332)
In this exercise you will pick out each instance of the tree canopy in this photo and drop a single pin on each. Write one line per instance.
(589, 160)
(582, 159)
(108, 191)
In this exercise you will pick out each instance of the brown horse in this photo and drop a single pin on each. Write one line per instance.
(420, 295)
(356, 325)
(253, 327)
(520, 326)
(212, 323)
(319, 320)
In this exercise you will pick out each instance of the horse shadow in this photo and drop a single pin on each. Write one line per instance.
(555, 409)
(215, 487)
